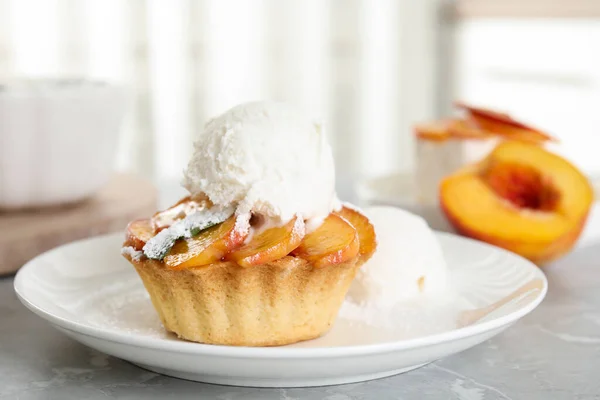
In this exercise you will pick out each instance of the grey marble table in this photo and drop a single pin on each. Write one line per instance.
(554, 353)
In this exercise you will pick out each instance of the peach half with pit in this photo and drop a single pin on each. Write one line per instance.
(520, 197)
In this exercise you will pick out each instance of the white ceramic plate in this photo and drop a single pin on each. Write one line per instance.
(88, 291)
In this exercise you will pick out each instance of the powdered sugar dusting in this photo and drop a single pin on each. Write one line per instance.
(411, 318)
(159, 245)
(242, 224)
(299, 228)
(135, 255)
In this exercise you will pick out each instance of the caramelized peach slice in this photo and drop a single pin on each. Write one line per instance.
(334, 242)
(209, 246)
(270, 244)
(364, 229)
(436, 131)
(441, 130)
(462, 129)
(504, 125)
(520, 197)
(138, 233)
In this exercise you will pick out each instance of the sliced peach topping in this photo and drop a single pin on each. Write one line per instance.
(364, 229)
(270, 244)
(334, 242)
(209, 246)
(138, 233)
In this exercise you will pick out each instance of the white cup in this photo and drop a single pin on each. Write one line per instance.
(58, 140)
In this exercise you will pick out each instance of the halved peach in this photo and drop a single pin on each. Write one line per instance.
(520, 197)
(138, 233)
(209, 246)
(334, 242)
(270, 244)
(364, 229)
(504, 125)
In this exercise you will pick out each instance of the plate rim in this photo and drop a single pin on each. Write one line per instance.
(192, 348)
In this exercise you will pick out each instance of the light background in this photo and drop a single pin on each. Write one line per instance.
(369, 69)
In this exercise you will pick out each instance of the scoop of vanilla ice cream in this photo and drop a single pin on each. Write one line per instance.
(408, 261)
(267, 158)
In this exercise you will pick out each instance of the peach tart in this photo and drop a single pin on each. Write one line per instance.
(262, 286)
(261, 253)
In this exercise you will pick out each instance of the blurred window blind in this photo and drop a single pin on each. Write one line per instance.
(544, 71)
(366, 68)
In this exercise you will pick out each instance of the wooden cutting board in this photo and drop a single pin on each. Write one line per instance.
(25, 234)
